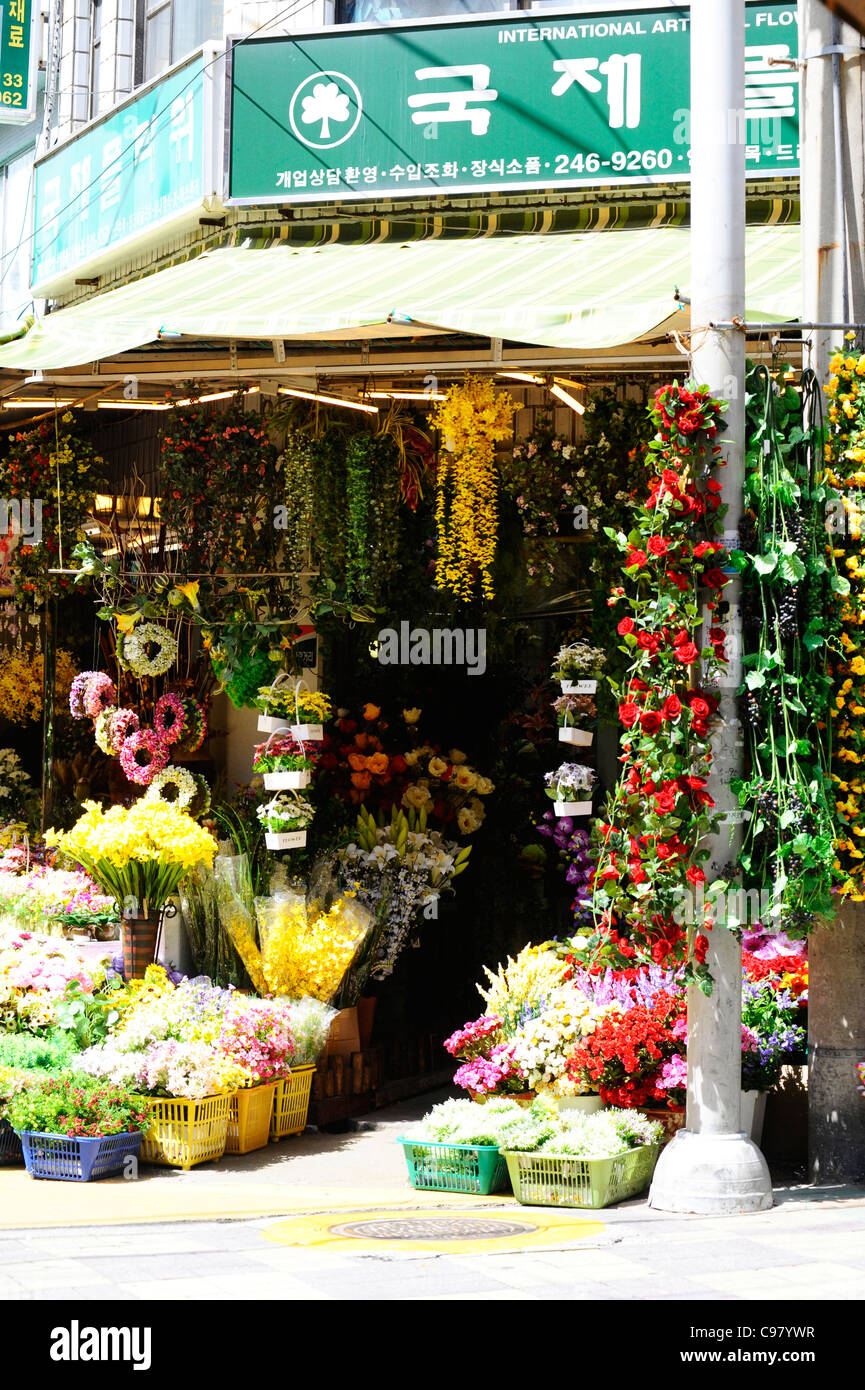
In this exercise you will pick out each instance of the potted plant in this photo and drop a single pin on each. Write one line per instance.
(570, 789)
(302, 710)
(138, 857)
(75, 1128)
(283, 763)
(285, 819)
(578, 668)
(569, 710)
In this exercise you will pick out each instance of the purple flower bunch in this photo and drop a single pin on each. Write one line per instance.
(575, 851)
(91, 694)
(643, 987)
(487, 1074)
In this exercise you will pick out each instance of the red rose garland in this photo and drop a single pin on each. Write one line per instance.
(650, 839)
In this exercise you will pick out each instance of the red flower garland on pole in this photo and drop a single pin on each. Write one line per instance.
(651, 838)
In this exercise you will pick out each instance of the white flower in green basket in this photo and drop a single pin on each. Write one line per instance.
(570, 782)
(148, 650)
(285, 812)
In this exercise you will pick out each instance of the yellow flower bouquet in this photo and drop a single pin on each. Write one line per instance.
(137, 856)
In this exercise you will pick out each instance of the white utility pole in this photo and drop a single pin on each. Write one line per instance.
(711, 1166)
(833, 276)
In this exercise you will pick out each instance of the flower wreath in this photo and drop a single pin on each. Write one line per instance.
(91, 694)
(173, 785)
(169, 717)
(112, 727)
(137, 656)
(142, 756)
(194, 727)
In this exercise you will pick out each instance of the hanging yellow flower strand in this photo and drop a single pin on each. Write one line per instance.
(473, 418)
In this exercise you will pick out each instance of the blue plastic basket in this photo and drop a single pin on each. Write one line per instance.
(77, 1160)
(10, 1144)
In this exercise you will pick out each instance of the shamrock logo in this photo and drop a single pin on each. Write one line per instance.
(326, 104)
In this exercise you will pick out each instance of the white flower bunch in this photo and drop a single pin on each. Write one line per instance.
(578, 659)
(570, 778)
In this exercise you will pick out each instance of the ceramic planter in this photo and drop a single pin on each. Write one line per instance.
(268, 724)
(285, 839)
(282, 781)
(572, 808)
(581, 738)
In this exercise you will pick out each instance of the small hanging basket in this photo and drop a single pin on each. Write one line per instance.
(581, 738)
(287, 781)
(572, 808)
(285, 839)
(585, 687)
(305, 733)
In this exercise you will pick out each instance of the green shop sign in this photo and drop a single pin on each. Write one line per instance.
(542, 101)
(125, 176)
(18, 56)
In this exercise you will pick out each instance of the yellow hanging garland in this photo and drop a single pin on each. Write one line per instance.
(473, 419)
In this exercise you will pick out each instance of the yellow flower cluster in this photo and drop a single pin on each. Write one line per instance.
(845, 455)
(309, 954)
(139, 994)
(473, 419)
(148, 831)
(534, 974)
(21, 679)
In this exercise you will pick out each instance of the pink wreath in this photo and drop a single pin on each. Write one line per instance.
(142, 755)
(169, 717)
(99, 694)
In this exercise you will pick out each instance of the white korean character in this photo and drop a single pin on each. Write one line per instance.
(182, 128)
(283, 180)
(753, 152)
(497, 166)
(622, 71)
(471, 106)
(370, 175)
(533, 165)
(479, 168)
(298, 178)
(145, 134)
(515, 167)
(333, 176)
(109, 179)
(769, 89)
(784, 152)
(316, 178)
(396, 173)
(431, 171)
(450, 171)
(414, 172)
(79, 180)
(352, 175)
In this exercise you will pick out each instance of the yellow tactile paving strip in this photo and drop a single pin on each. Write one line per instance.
(323, 1232)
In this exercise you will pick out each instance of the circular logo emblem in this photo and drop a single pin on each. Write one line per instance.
(325, 110)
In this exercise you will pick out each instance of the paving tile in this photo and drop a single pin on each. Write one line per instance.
(57, 1274)
(175, 1266)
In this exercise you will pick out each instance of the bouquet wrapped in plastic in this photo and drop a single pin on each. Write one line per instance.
(308, 948)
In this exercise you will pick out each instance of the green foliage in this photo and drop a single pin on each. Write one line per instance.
(86, 1018)
(76, 1105)
(52, 1053)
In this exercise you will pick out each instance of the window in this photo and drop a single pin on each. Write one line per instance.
(95, 55)
(169, 29)
(380, 11)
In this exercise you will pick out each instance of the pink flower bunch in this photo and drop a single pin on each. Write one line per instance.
(122, 723)
(470, 1040)
(142, 755)
(750, 1041)
(49, 973)
(488, 1074)
(257, 1036)
(673, 1075)
(91, 693)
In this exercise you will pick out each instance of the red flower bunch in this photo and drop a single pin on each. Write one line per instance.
(623, 1056)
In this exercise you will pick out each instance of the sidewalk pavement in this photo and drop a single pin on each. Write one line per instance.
(262, 1226)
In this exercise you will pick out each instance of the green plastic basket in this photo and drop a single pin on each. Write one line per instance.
(478, 1168)
(543, 1180)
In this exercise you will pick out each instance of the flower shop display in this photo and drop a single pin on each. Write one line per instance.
(22, 684)
(455, 1147)
(75, 1129)
(148, 649)
(91, 694)
(309, 947)
(569, 787)
(578, 668)
(17, 793)
(36, 975)
(791, 616)
(283, 763)
(652, 834)
(45, 897)
(539, 474)
(286, 818)
(472, 419)
(138, 856)
(113, 727)
(575, 852)
(571, 711)
(177, 786)
(142, 756)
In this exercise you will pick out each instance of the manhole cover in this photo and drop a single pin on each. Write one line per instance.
(432, 1228)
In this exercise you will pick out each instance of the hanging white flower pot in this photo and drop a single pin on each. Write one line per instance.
(583, 687)
(285, 781)
(268, 724)
(308, 733)
(572, 808)
(285, 839)
(582, 738)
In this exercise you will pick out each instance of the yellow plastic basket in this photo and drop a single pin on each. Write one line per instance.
(291, 1103)
(249, 1119)
(185, 1132)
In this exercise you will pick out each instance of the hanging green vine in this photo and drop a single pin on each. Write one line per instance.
(788, 581)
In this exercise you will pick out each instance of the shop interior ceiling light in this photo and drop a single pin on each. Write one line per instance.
(215, 396)
(19, 403)
(406, 395)
(328, 400)
(133, 405)
(524, 376)
(561, 394)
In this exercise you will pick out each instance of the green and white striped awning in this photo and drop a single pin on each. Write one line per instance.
(580, 292)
